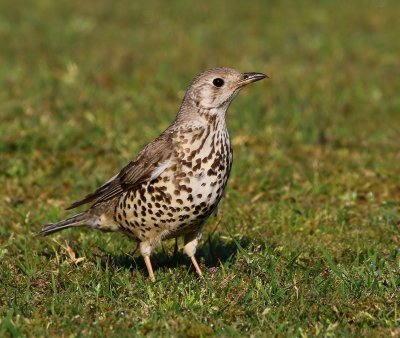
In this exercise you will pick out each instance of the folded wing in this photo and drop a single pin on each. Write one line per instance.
(148, 165)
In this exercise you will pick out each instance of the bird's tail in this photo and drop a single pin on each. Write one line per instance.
(74, 221)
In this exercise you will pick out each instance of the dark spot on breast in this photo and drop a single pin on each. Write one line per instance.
(215, 164)
(187, 164)
(198, 165)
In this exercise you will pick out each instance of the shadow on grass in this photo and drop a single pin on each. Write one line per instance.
(213, 251)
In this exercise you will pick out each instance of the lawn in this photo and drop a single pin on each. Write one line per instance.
(307, 240)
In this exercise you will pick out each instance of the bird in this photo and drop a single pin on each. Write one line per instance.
(176, 181)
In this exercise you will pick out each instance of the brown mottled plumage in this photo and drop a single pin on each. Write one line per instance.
(177, 180)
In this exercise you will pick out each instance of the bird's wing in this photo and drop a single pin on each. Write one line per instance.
(148, 165)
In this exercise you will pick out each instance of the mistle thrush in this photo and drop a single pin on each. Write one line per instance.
(176, 182)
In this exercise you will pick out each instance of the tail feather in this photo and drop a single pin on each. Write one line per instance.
(74, 221)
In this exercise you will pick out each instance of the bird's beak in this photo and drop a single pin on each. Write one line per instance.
(251, 77)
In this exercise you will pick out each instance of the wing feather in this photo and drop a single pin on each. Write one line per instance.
(149, 164)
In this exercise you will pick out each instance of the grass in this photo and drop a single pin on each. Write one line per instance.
(307, 239)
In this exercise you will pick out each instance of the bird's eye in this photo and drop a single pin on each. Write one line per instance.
(218, 82)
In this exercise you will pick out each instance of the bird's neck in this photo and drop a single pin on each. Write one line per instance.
(191, 112)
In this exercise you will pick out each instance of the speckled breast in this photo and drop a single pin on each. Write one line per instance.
(182, 197)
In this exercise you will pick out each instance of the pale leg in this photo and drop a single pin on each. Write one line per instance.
(149, 268)
(191, 241)
(196, 266)
(145, 250)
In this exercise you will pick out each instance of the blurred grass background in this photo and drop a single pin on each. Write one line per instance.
(307, 239)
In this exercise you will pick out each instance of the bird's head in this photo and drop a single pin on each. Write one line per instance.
(215, 89)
